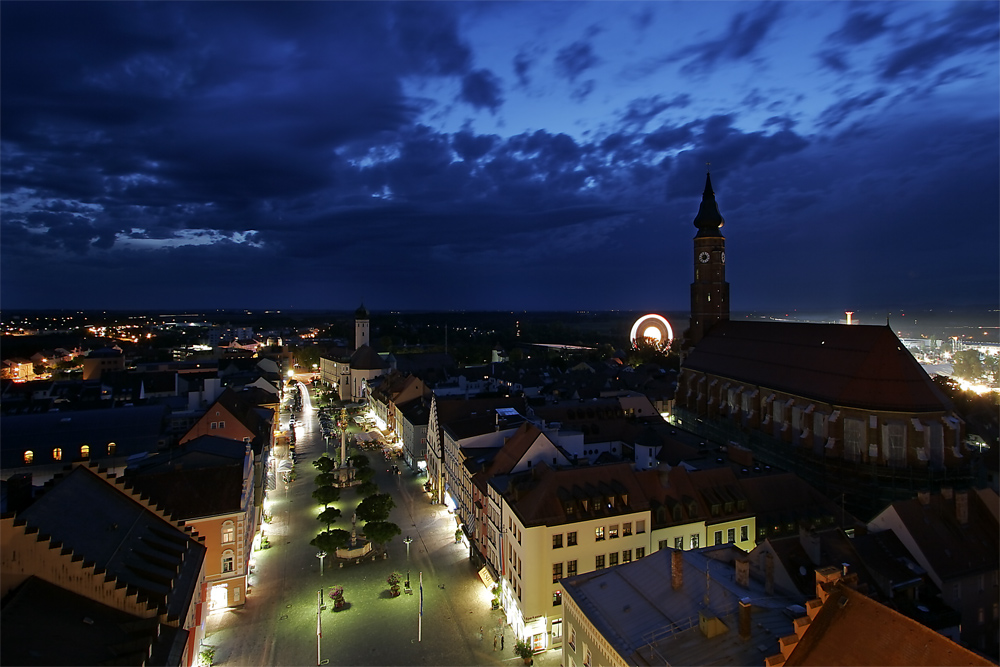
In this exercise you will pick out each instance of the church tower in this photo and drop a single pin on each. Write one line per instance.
(361, 331)
(709, 291)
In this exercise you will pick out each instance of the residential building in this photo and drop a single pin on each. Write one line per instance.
(208, 483)
(94, 574)
(955, 537)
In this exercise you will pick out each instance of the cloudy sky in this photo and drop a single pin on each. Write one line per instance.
(508, 155)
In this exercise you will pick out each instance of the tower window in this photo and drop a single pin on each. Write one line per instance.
(57, 454)
(29, 456)
(85, 451)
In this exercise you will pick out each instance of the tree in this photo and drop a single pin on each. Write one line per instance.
(329, 515)
(381, 532)
(331, 540)
(376, 507)
(359, 461)
(366, 489)
(324, 463)
(326, 495)
(326, 479)
(967, 364)
(364, 474)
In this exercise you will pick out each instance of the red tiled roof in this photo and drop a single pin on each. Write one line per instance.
(853, 629)
(853, 366)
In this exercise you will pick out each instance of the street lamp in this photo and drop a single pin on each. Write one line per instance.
(407, 542)
(321, 555)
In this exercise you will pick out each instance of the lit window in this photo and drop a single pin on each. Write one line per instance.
(29, 456)
(557, 598)
(627, 556)
(599, 534)
(228, 561)
(85, 451)
(678, 543)
(557, 541)
(694, 541)
(57, 454)
(613, 531)
(111, 449)
(626, 529)
(571, 568)
(556, 572)
(228, 532)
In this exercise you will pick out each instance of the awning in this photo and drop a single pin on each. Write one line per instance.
(487, 578)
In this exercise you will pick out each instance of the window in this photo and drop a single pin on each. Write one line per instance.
(222, 424)
(640, 526)
(718, 537)
(894, 437)
(572, 638)
(731, 535)
(228, 532)
(586, 660)
(571, 539)
(57, 454)
(694, 541)
(228, 561)
(661, 545)
(599, 534)
(613, 559)
(214, 425)
(557, 541)
(599, 562)
(571, 568)
(557, 598)
(85, 451)
(640, 552)
(556, 572)
(854, 438)
(111, 448)
(744, 533)
(613, 531)
(29, 456)
(627, 556)
(626, 529)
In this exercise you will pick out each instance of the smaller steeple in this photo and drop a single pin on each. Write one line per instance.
(709, 219)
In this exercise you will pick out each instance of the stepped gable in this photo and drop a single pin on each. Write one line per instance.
(192, 493)
(88, 632)
(878, 636)
(851, 366)
(100, 521)
(546, 496)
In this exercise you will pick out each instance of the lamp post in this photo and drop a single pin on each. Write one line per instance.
(321, 555)
(407, 542)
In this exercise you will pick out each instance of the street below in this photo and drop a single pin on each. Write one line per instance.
(278, 624)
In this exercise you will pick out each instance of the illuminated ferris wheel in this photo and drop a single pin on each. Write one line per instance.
(652, 331)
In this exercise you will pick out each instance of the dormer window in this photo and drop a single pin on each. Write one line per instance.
(111, 449)
(729, 507)
(29, 456)
(741, 504)
(625, 499)
(677, 513)
(611, 502)
(715, 509)
(585, 504)
(57, 454)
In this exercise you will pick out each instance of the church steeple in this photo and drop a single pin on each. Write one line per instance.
(709, 291)
(709, 220)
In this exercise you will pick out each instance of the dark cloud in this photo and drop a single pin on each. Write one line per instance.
(643, 110)
(575, 59)
(643, 18)
(968, 27)
(427, 33)
(747, 31)
(860, 27)
(523, 63)
(837, 113)
(481, 89)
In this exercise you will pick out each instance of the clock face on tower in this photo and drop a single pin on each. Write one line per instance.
(723, 257)
(703, 257)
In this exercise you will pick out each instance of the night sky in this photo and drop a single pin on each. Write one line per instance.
(496, 156)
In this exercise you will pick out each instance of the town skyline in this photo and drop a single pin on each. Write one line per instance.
(497, 156)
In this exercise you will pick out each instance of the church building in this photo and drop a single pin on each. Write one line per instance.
(846, 407)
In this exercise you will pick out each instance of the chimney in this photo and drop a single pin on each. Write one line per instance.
(743, 572)
(676, 569)
(924, 497)
(947, 492)
(745, 618)
(962, 507)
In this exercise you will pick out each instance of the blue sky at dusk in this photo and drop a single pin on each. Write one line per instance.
(496, 156)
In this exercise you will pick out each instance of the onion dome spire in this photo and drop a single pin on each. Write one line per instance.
(361, 313)
(709, 220)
